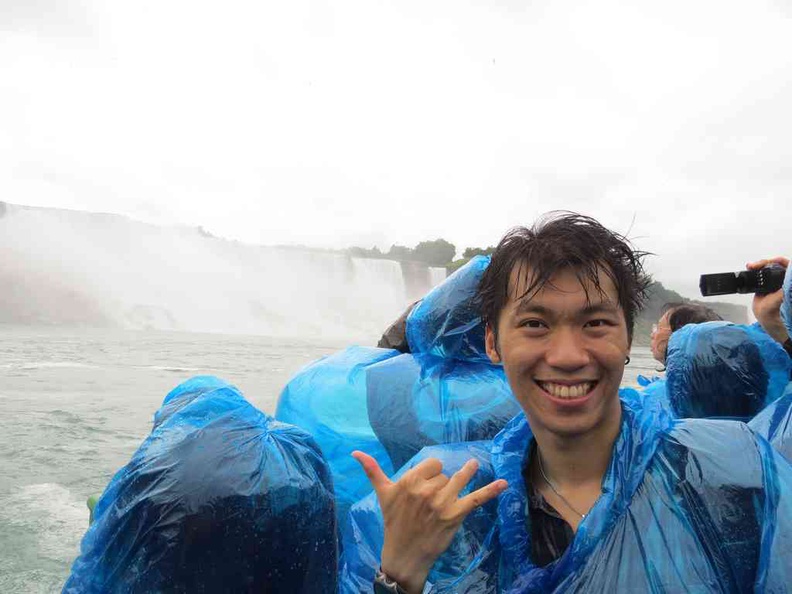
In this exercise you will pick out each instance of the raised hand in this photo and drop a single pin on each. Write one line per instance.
(767, 308)
(422, 511)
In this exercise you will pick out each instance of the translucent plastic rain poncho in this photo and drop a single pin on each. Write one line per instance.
(719, 369)
(686, 506)
(446, 323)
(786, 304)
(219, 498)
(774, 423)
(390, 405)
(329, 400)
(420, 400)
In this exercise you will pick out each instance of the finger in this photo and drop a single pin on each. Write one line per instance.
(783, 261)
(757, 264)
(479, 497)
(461, 478)
(379, 480)
(435, 484)
(427, 469)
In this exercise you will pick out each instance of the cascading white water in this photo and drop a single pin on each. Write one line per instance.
(69, 267)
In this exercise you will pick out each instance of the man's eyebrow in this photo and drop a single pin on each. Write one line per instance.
(528, 306)
(604, 307)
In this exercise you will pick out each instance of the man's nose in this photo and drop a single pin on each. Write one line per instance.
(566, 350)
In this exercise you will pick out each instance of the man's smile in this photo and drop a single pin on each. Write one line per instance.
(567, 390)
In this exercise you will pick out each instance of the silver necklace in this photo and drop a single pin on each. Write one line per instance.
(549, 484)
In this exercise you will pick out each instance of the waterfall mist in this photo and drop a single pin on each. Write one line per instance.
(70, 267)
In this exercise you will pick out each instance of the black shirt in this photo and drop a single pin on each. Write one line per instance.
(550, 533)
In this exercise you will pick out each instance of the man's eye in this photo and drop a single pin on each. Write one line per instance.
(598, 323)
(532, 323)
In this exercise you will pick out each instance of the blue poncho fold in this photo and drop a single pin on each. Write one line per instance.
(218, 498)
(328, 399)
(421, 400)
(446, 323)
(686, 506)
(774, 423)
(786, 303)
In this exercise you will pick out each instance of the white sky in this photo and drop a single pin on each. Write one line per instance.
(375, 122)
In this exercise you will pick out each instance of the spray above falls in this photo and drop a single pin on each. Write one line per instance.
(79, 268)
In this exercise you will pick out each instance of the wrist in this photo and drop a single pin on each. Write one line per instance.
(384, 584)
(776, 329)
(409, 574)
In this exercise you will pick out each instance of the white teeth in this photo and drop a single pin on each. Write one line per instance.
(565, 391)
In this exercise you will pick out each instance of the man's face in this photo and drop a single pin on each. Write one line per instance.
(563, 354)
(661, 332)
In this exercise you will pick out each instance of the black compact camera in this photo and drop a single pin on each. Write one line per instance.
(763, 281)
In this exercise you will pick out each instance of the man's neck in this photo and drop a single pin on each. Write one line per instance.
(579, 460)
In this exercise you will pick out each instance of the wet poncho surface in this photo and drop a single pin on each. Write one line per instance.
(446, 323)
(719, 369)
(786, 303)
(774, 423)
(389, 404)
(686, 506)
(329, 400)
(219, 498)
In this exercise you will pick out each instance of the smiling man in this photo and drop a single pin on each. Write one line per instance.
(596, 490)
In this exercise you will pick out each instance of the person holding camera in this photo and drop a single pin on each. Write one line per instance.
(589, 489)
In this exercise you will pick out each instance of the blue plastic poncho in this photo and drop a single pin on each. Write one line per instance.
(420, 400)
(719, 369)
(786, 303)
(219, 498)
(446, 323)
(390, 405)
(774, 423)
(328, 398)
(686, 506)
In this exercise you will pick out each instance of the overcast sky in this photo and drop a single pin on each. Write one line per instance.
(370, 122)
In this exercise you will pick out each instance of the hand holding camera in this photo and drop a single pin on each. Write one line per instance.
(764, 278)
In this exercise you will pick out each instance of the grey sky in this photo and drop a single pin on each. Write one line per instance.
(375, 122)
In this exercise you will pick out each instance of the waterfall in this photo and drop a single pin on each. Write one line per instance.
(71, 267)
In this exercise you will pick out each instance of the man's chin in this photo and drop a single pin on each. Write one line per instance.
(562, 428)
(570, 431)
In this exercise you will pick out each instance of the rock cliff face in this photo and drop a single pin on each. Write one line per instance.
(68, 267)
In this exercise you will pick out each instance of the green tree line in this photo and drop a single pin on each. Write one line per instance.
(438, 252)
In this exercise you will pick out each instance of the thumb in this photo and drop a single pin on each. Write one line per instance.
(378, 479)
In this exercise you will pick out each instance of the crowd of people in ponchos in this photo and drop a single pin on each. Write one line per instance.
(694, 494)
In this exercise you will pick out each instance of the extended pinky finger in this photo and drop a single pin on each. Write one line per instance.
(481, 496)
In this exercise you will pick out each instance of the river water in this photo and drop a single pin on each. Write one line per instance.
(75, 404)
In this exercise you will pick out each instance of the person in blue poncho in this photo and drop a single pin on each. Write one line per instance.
(585, 491)
(220, 497)
(674, 317)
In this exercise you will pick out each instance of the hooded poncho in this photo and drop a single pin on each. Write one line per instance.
(219, 498)
(720, 369)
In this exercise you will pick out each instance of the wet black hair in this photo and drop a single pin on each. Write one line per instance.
(558, 241)
(689, 313)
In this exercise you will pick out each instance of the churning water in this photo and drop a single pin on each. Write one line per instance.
(74, 406)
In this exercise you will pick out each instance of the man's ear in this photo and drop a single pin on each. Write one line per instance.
(491, 344)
